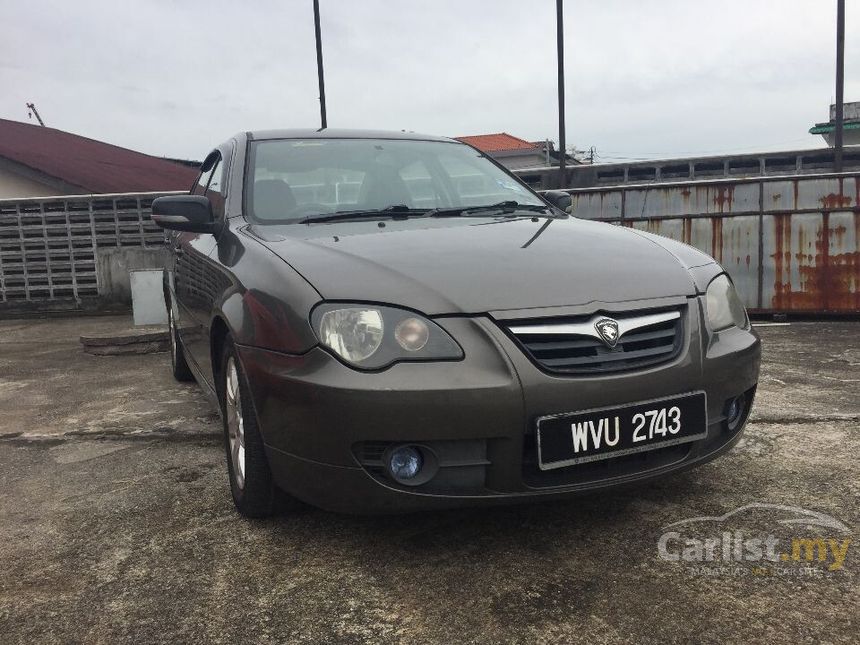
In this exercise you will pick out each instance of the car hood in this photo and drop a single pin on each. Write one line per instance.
(467, 265)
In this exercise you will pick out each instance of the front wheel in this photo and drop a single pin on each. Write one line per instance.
(254, 492)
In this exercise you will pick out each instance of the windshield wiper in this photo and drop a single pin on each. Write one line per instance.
(402, 211)
(506, 207)
(395, 211)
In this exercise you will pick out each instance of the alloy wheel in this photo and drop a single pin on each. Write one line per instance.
(235, 422)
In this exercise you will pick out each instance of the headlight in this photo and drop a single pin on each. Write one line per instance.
(372, 337)
(723, 305)
(354, 334)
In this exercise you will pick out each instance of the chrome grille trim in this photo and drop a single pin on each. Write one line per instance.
(587, 328)
(574, 346)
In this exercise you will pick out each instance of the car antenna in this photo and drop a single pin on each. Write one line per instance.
(538, 234)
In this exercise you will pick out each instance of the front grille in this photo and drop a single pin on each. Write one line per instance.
(573, 345)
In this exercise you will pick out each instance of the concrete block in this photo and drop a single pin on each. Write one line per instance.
(147, 297)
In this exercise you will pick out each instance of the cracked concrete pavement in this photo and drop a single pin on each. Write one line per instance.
(117, 524)
(55, 389)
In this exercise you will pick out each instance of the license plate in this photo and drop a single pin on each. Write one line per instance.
(591, 435)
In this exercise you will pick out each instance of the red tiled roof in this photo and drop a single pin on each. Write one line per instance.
(94, 166)
(499, 142)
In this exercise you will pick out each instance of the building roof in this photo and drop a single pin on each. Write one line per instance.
(91, 165)
(499, 142)
(824, 128)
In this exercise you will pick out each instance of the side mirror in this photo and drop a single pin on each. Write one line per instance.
(191, 213)
(560, 199)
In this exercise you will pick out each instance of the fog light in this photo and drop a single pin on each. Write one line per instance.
(735, 412)
(405, 462)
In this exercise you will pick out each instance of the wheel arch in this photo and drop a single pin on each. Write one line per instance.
(218, 332)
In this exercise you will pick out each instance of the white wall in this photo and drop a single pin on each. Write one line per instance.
(849, 138)
(529, 159)
(14, 185)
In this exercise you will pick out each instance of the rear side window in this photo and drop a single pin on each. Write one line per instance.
(217, 189)
(202, 181)
(216, 183)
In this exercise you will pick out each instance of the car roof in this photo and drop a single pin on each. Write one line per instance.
(332, 133)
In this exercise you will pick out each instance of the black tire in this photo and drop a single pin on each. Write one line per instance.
(255, 493)
(178, 364)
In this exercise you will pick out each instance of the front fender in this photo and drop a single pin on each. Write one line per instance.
(268, 303)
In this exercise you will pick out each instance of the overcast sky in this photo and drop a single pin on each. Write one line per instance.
(644, 79)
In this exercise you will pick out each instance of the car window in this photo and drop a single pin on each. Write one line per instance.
(202, 181)
(424, 189)
(217, 179)
(290, 179)
(472, 183)
(326, 186)
(217, 188)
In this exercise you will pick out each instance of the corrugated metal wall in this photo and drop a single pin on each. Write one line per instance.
(791, 244)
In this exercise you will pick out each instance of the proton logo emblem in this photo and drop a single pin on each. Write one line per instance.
(608, 331)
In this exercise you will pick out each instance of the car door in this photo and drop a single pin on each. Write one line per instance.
(192, 280)
(212, 277)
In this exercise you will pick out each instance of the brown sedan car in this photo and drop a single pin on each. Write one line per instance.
(390, 321)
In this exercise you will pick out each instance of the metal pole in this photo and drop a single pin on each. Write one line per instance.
(840, 83)
(323, 120)
(562, 146)
(33, 109)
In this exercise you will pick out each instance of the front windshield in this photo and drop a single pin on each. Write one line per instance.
(292, 179)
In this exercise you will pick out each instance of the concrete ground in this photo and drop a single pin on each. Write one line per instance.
(56, 389)
(116, 524)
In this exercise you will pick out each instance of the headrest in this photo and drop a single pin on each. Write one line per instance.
(273, 199)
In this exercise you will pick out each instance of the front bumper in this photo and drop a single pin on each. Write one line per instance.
(326, 424)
